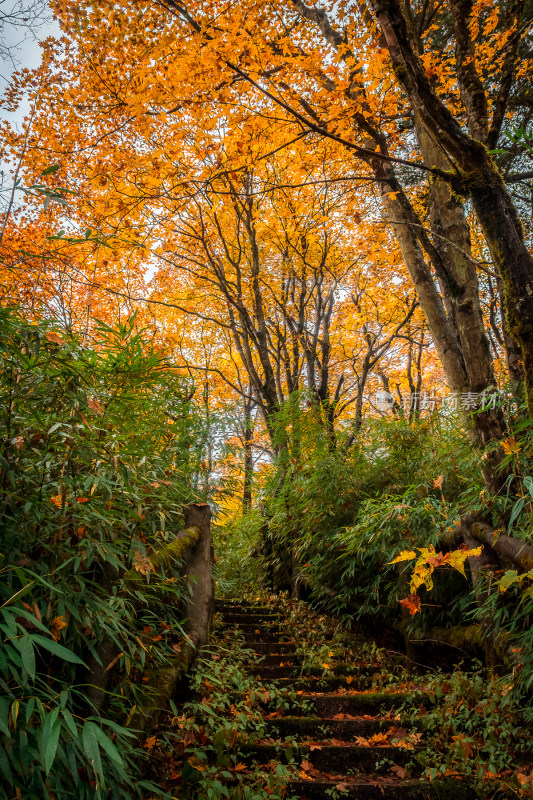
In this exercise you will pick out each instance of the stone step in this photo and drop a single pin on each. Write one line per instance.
(273, 672)
(254, 626)
(274, 648)
(330, 758)
(380, 788)
(289, 678)
(289, 659)
(275, 659)
(242, 608)
(264, 635)
(323, 728)
(234, 618)
(353, 703)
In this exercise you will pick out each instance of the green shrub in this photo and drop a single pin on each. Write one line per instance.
(99, 454)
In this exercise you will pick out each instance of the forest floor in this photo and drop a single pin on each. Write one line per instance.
(287, 704)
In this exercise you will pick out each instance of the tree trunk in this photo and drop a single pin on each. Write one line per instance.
(248, 457)
(475, 173)
(503, 232)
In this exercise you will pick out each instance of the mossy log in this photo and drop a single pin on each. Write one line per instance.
(167, 557)
(510, 550)
(468, 638)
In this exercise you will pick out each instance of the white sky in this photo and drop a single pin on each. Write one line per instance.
(19, 45)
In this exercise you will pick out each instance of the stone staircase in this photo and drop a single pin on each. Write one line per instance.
(342, 740)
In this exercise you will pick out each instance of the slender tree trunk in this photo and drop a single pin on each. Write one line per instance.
(404, 227)
(248, 457)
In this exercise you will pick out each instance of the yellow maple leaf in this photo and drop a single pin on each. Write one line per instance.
(510, 446)
(405, 555)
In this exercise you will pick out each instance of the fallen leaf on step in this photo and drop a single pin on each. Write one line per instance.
(465, 745)
(400, 772)
(197, 764)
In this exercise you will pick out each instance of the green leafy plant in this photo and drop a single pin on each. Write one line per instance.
(98, 458)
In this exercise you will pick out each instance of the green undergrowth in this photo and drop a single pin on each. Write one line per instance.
(459, 724)
(97, 462)
(471, 728)
(329, 521)
(197, 755)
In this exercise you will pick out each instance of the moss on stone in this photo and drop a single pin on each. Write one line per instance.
(166, 557)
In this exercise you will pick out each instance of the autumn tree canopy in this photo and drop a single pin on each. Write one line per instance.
(274, 262)
(250, 170)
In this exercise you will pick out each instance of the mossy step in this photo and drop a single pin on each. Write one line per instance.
(262, 635)
(243, 608)
(379, 788)
(328, 757)
(290, 659)
(275, 659)
(275, 672)
(274, 648)
(283, 678)
(322, 728)
(328, 705)
(250, 625)
(250, 619)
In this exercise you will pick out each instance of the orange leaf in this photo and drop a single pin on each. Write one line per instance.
(150, 742)
(437, 483)
(57, 624)
(197, 764)
(50, 336)
(412, 603)
(141, 563)
(94, 404)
